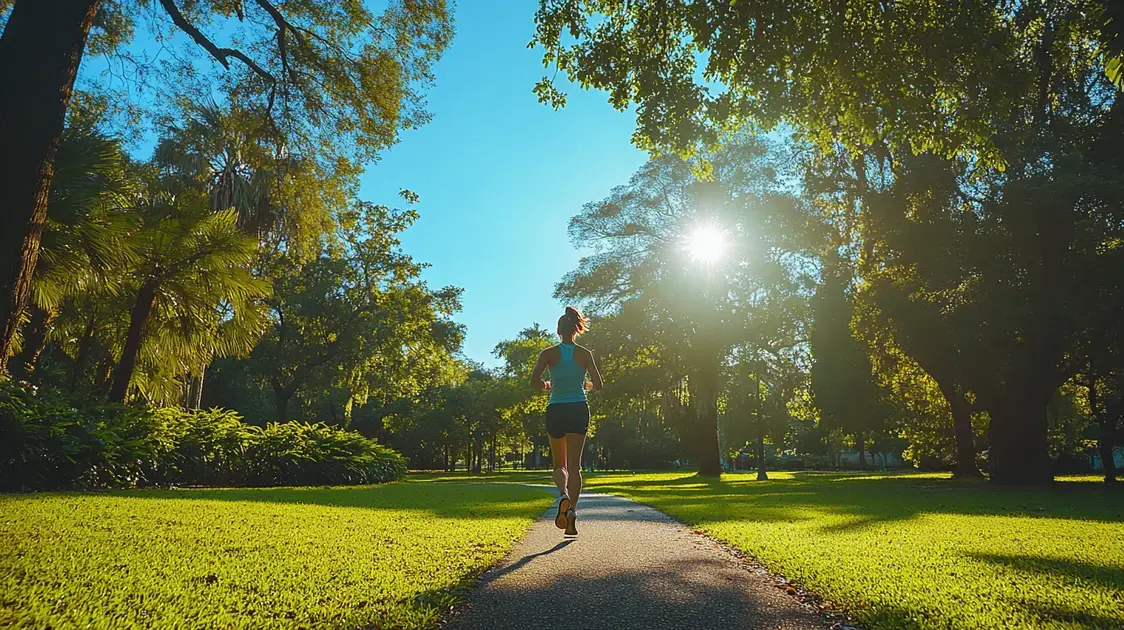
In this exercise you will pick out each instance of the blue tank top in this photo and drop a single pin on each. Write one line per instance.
(567, 379)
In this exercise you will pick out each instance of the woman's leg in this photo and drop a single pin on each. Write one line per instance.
(575, 442)
(558, 455)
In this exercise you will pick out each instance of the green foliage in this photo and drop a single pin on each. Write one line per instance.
(960, 154)
(394, 556)
(1112, 40)
(50, 442)
(915, 551)
(288, 203)
(930, 76)
(194, 292)
(332, 82)
(356, 321)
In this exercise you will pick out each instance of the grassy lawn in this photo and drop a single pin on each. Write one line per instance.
(392, 556)
(917, 551)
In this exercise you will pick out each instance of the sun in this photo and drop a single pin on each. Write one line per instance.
(706, 243)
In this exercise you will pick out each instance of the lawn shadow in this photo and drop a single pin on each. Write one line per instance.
(1065, 569)
(867, 500)
(475, 501)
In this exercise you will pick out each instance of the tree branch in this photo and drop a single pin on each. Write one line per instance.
(221, 55)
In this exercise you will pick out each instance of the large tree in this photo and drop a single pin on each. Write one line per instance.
(989, 85)
(333, 82)
(85, 246)
(356, 320)
(652, 265)
(995, 280)
(842, 381)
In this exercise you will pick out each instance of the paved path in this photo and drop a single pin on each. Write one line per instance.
(630, 567)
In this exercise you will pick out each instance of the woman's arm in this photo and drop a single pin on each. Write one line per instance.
(594, 373)
(536, 374)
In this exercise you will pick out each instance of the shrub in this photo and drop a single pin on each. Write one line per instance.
(49, 442)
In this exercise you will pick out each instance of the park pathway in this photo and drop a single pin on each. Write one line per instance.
(630, 567)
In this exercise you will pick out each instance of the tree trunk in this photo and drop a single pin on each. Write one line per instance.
(34, 340)
(195, 389)
(1106, 440)
(710, 464)
(281, 397)
(762, 475)
(1019, 449)
(1106, 429)
(103, 379)
(40, 50)
(138, 317)
(962, 427)
(446, 451)
(84, 346)
(860, 442)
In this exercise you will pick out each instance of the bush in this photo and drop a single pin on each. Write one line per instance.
(48, 442)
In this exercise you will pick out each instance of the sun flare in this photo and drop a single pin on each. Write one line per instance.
(706, 243)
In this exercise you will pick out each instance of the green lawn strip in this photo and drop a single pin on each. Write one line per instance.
(914, 550)
(391, 556)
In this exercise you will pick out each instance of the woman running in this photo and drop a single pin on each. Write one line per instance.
(567, 414)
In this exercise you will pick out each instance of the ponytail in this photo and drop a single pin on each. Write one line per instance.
(572, 322)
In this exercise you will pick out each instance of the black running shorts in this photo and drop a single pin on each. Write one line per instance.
(563, 418)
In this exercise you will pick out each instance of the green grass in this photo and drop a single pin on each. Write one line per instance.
(391, 556)
(917, 551)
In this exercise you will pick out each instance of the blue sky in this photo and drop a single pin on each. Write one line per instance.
(500, 175)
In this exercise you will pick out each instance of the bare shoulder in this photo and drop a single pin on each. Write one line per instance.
(586, 352)
(550, 355)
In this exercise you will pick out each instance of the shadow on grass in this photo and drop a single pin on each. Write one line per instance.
(866, 499)
(1071, 616)
(1102, 574)
(482, 500)
(510, 476)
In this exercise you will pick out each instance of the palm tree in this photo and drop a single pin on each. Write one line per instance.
(211, 152)
(85, 242)
(216, 152)
(194, 292)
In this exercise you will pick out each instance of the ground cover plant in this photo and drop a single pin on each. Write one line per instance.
(916, 550)
(388, 556)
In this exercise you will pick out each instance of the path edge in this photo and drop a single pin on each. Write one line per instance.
(832, 614)
(460, 604)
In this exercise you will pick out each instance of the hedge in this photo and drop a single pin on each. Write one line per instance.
(47, 442)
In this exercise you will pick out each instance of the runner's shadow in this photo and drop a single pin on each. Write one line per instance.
(502, 571)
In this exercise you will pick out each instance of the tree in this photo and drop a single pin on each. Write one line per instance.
(84, 246)
(357, 319)
(842, 384)
(283, 202)
(192, 263)
(925, 76)
(332, 82)
(286, 202)
(1003, 272)
(525, 407)
(692, 313)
